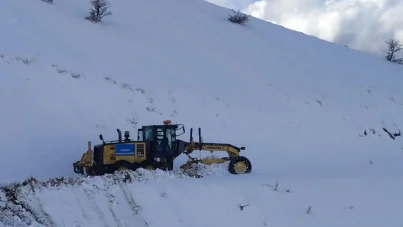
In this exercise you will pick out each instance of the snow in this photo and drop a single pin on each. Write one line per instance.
(300, 105)
(154, 198)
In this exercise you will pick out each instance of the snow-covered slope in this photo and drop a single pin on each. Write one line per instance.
(310, 113)
(148, 198)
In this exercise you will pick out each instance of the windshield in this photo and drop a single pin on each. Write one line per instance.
(148, 133)
(140, 135)
(169, 134)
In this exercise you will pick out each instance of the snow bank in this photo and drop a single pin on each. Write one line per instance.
(156, 198)
(93, 201)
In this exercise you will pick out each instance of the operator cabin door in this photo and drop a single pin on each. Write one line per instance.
(160, 142)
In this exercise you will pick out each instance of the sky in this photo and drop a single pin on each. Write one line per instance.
(360, 24)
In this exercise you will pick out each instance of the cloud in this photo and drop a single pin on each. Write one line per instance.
(361, 24)
(232, 4)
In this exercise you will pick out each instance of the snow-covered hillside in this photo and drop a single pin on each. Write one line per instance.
(311, 114)
(156, 198)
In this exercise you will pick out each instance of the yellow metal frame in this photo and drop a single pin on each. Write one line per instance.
(85, 161)
(231, 151)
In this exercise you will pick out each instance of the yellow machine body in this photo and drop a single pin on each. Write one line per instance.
(136, 153)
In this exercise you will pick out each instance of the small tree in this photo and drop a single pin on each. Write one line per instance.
(394, 46)
(238, 18)
(99, 10)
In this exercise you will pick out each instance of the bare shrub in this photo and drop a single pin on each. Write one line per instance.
(99, 10)
(75, 75)
(132, 121)
(394, 46)
(308, 210)
(127, 86)
(275, 186)
(241, 207)
(238, 18)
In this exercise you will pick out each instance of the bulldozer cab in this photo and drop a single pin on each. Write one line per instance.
(162, 138)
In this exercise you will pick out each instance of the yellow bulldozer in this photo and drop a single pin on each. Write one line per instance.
(156, 146)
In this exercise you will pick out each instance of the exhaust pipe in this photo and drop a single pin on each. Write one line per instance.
(120, 135)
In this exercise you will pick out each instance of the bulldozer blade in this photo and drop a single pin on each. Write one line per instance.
(78, 169)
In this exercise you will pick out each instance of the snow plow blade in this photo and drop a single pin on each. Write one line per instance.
(85, 163)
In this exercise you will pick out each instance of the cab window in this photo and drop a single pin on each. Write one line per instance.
(169, 134)
(140, 135)
(148, 134)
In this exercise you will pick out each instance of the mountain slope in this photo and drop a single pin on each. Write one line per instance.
(309, 112)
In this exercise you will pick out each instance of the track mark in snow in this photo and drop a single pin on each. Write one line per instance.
(171, 97)
(152, 109)
(95, 207)
(132, 121)
(111, 201)
(220, 100)
(77, 223)
(82, 209)
(42, 211)
(126, 86)
(173, 114)
(24, 60)
(107, 78)
(73, 75)
(129, 198)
